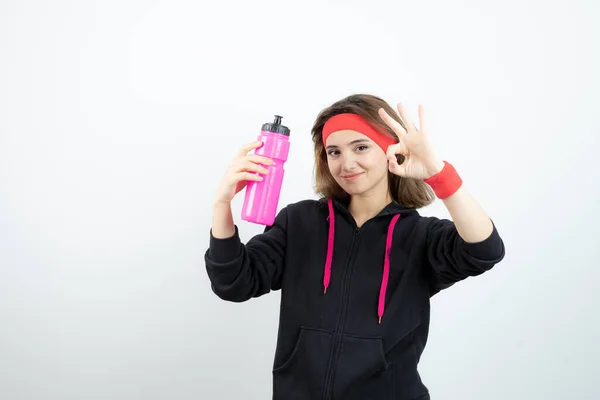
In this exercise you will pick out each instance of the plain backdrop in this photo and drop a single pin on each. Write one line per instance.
(118, 119)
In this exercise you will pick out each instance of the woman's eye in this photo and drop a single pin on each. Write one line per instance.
(362, 147)
(332, 152)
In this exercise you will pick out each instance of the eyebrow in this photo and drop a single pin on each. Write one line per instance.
(331, 146)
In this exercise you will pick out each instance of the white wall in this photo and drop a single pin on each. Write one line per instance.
(117, 119)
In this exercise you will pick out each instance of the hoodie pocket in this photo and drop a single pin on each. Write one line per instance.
(362, 365)
(302, 375)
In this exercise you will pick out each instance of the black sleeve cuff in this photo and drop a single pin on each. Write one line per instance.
(224, 250)
(489, 249)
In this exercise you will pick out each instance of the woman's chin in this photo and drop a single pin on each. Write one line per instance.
(352, 189)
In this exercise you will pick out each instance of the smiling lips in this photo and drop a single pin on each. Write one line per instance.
(350, 178)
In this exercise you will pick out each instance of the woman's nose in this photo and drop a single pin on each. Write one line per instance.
(348, 162)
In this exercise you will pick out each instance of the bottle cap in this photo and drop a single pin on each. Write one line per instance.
(276, 126)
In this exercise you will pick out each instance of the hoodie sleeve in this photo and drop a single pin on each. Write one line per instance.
(451, 259)
(239, 272)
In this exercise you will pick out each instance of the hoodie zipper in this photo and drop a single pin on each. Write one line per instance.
(331, 368)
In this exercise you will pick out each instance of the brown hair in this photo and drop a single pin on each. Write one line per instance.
(411, 193)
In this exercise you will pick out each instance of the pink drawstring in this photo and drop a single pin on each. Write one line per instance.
(327, 276)
(386, 261)
(386, 266)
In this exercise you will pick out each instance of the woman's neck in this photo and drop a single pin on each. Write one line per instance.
(365, 206)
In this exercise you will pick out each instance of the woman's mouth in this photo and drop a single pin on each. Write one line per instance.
(351, 177)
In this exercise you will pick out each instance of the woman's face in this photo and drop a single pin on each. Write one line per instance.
(356, 163)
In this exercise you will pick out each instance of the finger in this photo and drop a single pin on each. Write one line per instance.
(259, 159)
(397, 169)
(251, 167)
(243, 176)
(423, 125)
(393, 149)
(248, 147)
(392, 123)
(248, 176)
(393, 161)
(404, 115)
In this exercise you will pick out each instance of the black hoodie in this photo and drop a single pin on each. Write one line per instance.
(355, 302)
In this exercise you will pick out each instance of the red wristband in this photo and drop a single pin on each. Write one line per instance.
(446, 182)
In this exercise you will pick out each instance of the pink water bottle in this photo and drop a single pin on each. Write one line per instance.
(262, 198)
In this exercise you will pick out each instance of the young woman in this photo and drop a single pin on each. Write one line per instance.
(356, 268)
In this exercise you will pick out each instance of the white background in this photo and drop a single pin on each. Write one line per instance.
(118, 118)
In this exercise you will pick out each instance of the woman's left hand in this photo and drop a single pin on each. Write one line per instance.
(421, 161)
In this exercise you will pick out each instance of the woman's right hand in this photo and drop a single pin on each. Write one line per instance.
(241, 169)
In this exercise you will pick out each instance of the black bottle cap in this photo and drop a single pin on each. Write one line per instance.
(276, 126)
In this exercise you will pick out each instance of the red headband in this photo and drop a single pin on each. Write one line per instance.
(357, 123)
